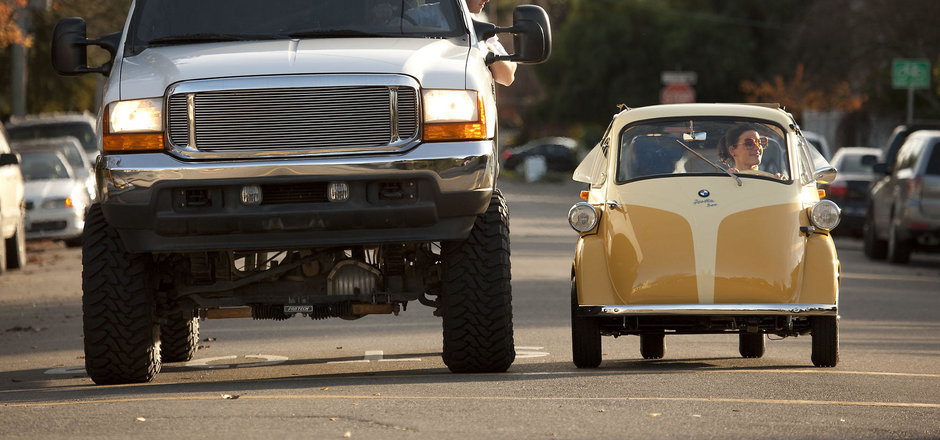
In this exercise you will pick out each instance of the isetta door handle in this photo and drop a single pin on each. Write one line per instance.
(613, 204)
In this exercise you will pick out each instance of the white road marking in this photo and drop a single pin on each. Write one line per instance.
(375, 355)
(530, 352)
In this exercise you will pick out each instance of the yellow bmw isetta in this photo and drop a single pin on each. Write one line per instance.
(704, 218)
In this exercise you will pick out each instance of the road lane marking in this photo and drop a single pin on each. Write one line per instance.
(375, 355)
(886, 277)
(492, 398)
(530, 352)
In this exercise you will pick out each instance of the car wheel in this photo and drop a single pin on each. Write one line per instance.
(874, 248)
(899, 249)
(585, 336)
(751, 345)
(825, 333)
(16, 247)
(476, 295)
(653, 345)
(122, 337)
(179, 333)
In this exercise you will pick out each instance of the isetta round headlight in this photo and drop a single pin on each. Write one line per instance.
(582, 217)
(826, 214)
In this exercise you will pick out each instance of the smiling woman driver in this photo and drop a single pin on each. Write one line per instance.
(741, 148)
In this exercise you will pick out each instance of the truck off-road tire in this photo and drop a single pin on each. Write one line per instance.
(899, 249)
(179, 333)
(16, 248)
(825, 333)
(585, 336)
(476, 297)
(122, 337)
(873, 248)
(653, 345)
(751, 345)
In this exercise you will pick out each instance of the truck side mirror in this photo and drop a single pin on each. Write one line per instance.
(532, 35)
(70, 52)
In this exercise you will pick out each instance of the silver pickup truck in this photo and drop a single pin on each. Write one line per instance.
(295, 157)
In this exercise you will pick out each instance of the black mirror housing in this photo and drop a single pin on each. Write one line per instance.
(70, 52)
(532, 35)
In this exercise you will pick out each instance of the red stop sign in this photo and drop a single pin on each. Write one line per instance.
(677, 94)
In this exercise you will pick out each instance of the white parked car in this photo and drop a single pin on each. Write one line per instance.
(12, 210)
(55, 201)
(71, 149)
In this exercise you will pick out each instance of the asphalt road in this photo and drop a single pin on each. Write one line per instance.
(382, 376)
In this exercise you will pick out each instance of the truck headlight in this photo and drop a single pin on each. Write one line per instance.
(825, 214)
(453, 115)
(582, 217)
(134, 125)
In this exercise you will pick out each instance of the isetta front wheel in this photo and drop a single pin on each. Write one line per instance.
(585, 336)
(825, 332)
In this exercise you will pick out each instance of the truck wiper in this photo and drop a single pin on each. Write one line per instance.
(334, 33)
(736, 178)
(208, 38)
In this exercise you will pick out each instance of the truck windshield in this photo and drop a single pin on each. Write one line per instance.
(172, 22)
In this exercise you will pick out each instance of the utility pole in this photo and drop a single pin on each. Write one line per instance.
(18, 71)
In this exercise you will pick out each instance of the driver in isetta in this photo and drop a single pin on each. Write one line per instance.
(704, 218)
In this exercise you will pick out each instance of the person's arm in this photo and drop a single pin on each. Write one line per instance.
(504, 72)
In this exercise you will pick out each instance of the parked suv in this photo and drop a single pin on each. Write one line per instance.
(12, 209)
(301, 157)
(904, 206)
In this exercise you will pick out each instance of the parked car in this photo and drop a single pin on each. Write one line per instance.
(72, 150)
(675, 239)
(78, 125)
(819, 142)
(55, 201)
(904, 206)
(850, 188)
(560, 153)
(12, 209)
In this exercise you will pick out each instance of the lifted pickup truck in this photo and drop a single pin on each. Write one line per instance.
(296, 157)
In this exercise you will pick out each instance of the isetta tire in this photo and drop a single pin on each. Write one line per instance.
(751, 345)
(477, 295)
(122, 339)
(825, 333)
(653, 345)
(179, 334)
(585, 336)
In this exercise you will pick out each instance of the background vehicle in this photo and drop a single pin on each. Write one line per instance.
(560, 153)
(55, 200)
(904, 206)
(849, 190)
(819, 142)
(72, 150)
(81, 126)
(293, 158)
(672, 242)
(12, 209)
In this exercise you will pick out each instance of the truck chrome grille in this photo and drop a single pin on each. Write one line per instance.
(304, 119)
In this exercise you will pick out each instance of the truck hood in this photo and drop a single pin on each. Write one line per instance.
(434, 63)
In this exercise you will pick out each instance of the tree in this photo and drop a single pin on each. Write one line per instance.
(10, 32)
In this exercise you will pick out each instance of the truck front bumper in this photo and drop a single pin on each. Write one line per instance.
(160, 203)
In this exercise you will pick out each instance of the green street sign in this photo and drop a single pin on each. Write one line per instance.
(910, 73)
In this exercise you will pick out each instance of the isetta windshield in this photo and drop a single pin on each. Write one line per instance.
(702, 146)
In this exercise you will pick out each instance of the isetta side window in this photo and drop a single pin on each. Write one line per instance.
(703, 146)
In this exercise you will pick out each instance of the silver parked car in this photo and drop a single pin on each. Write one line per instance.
(904, 206)
(12, 213)
(71, 149)
(82, 126)
(55, 201)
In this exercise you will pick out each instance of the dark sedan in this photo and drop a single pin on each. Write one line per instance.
(560, 154)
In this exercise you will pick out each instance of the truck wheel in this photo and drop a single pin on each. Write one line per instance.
(653, 345)
(179, 333)
(476, 295)
(751, 345)
(16, 247)
(122, 338)
(899, 249)
(825, 332)
(585, 336)
(874, 248)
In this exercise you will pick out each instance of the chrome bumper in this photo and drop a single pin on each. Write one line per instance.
(709, 310)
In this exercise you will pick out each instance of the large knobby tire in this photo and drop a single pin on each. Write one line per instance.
(873, 247)
(476, 297)
(825, 333)
(585, 336)
(653, 345)
(179, 333)
(122, 337)
(16, 247)
(751, 345)
(899, 249)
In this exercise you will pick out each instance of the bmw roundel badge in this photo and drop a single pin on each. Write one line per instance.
(703, 193)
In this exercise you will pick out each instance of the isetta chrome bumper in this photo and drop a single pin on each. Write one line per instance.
(709, 310)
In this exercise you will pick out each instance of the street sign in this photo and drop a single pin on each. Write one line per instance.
(910, 73)
(677, 94)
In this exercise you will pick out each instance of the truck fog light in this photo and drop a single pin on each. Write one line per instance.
(338, 192)
(582, 217)
(825, 214)
(251, 195)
